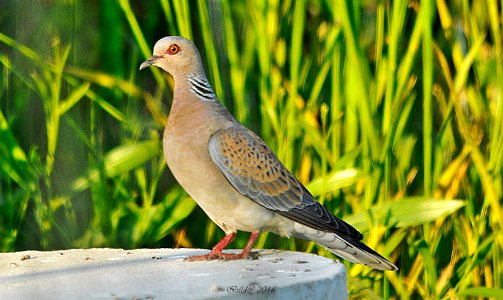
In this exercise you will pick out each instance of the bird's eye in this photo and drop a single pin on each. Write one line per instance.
(173, 49)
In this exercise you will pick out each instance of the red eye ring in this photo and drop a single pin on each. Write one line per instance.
(173, 49)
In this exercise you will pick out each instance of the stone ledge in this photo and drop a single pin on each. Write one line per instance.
(162, 274)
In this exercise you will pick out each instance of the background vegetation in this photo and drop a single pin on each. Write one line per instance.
(390, 111)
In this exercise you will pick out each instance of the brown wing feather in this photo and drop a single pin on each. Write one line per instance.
(254, 171)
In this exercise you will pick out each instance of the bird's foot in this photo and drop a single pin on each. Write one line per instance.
(234, 256)
(206, 257)
(216, 253)
(222, 256)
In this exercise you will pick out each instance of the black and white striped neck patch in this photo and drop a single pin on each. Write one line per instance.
(201, 87)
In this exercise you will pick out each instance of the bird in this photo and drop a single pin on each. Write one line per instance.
(233, 175)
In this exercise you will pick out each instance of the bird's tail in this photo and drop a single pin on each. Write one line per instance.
(347, 248)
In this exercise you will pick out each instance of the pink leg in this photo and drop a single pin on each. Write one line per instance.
(246, 249)
(216, 253)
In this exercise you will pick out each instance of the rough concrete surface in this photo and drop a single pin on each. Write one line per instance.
(162, 274)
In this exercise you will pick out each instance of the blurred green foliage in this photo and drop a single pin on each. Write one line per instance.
(388, 111)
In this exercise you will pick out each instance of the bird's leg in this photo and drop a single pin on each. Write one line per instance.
(216, 253)
(246, 250)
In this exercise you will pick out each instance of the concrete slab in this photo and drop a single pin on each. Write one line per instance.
(162, 274)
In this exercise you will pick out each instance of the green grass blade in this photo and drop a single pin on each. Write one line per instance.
(406, 212)
(73, 98)
(120, 160)
(140, 39)
(334, 181)
(428, 8)
(485, 292)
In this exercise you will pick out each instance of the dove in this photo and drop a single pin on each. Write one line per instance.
(234, 177)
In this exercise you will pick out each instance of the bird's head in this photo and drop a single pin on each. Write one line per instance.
(175, 54)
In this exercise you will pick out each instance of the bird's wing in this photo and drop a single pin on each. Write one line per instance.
(254, 171)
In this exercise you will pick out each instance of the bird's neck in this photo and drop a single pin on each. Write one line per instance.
(193, 95)
(197, 87)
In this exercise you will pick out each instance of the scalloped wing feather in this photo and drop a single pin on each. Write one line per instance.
(254, 171)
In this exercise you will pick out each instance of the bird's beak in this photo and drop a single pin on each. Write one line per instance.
(150, 61)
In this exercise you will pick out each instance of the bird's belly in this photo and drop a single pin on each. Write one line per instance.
(191, 165)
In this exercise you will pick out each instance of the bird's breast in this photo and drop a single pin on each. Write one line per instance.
(185, 146)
